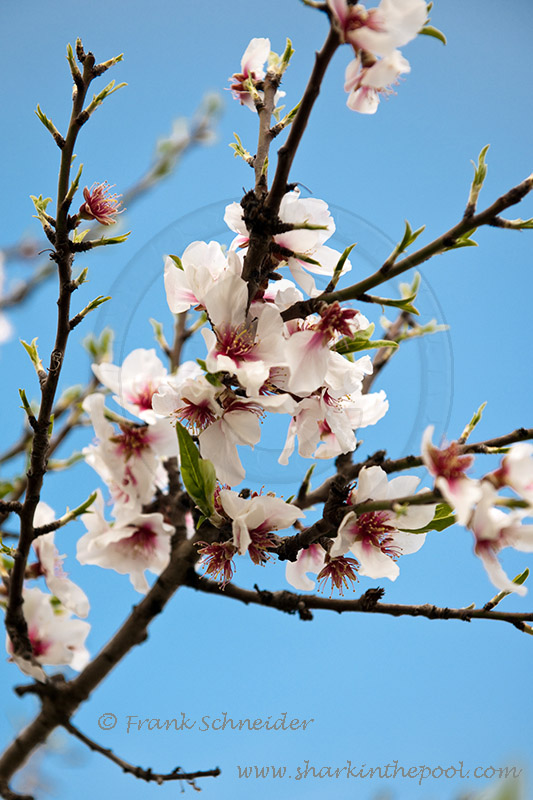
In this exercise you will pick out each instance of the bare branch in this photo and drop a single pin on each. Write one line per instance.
(147, 775)
(292, 603)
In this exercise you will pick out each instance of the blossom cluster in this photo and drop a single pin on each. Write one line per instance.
(375, 35)
(55, 637)
(478, 505)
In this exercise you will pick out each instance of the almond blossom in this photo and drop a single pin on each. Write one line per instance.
(309, 357)
(131, 545)
(202, 265)
(243, 344)
(449, 465)
(248, 81)
(366, 84)
(55, 638)
(379, 30)
(129, 461)
(100, 204)
(303, 248)
(220, 418)
(378, 538)
(494, 530)
(253, 520)
(135, 382)
(326, 426)
(50, 566)
(516, 471)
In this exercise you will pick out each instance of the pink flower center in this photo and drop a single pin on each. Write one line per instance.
(100, 204)
(449, 463)
(132, 441)
(39, 646)
(335, 319)
(372, 530)
(142, 541)
(262, 542)
(217, 558)
(237, 343)
(361, 18)
(341, 571)
(142, 398)
(196, 417)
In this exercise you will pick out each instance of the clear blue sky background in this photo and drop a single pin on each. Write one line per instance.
(379, 689)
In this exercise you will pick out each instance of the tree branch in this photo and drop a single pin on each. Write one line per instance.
(320, 494)
(391, 270)
(144, 774)
(287, 151)
(292, 603)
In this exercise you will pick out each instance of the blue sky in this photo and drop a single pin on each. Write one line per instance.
(379, 689)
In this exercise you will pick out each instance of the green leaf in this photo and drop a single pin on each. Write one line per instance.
(337, 272)
(473, 422)
(361, 341)
(240, 150)
(444, 517)
(198, 474)
(409, 236)
(430, 30)
(464, 241)
(110, 240)
(176, 260)
(480, 173)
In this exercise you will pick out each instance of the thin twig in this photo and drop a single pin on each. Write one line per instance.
(144, 774)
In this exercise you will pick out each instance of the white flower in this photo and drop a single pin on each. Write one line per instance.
(310, 559)
(378, 538)
(254, 518)
(202, 266)
(516, 471)
(366, 84)
(494, 530)
(135, 382)
(55, 637)
(252, 69)
(244, 345)
(50, 566)
(448, 465)
(129, 462)
(131, 545)
(380, 30)
(325, 426)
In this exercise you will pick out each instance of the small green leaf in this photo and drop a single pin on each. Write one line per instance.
(464, 241)
(480, 173)
(337, 272)
(430, 30)
(110, 240)
(198, 474)
(240, 150)
(472, 424)
(409, 236)
(361, 341)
